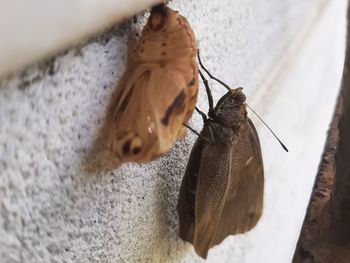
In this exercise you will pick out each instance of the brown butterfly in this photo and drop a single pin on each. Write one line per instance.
(222, 190)
(157, 93)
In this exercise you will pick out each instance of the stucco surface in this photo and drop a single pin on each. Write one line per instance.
(287, 55)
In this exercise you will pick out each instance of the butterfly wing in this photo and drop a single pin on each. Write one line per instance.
(227, 181)
(187, 196)
(202, 193)
(244, 201)
(212, 189)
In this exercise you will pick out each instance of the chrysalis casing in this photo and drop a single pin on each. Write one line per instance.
(157, 93)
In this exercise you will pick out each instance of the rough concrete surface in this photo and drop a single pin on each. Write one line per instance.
(285, 53)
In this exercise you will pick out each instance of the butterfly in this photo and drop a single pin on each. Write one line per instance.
(222, 190)
(157, 93)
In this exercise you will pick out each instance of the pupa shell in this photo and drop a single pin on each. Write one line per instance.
(157, 93)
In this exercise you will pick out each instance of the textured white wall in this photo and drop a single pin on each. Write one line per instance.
(287, 54)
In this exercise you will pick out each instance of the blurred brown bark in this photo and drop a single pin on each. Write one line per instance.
(325, 235)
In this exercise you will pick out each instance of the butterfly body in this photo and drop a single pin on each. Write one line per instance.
(222, 190)
(157, 93)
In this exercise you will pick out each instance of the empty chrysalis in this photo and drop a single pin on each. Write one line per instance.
(157, 93)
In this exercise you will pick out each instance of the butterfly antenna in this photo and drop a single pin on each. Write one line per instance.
(209, 95)
(283, 146)
(210, 75)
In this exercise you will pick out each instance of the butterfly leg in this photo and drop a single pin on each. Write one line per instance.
(204, 117)
(197, 133)
(210, 75)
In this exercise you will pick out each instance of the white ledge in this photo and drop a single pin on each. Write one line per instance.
(33, 29)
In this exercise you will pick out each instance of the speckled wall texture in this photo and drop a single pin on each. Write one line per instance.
(288, 56)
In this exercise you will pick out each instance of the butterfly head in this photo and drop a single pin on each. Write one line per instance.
(230, 109)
